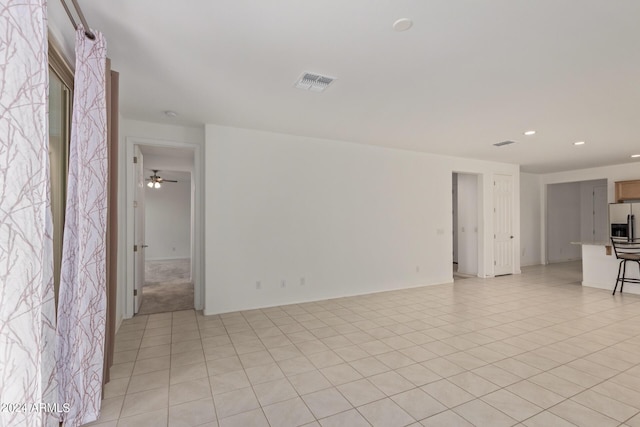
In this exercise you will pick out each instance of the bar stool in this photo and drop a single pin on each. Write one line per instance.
(626, 250)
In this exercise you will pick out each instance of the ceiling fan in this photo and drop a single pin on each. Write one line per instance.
(156, 180)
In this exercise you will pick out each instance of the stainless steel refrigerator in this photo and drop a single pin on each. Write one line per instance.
(622, 219)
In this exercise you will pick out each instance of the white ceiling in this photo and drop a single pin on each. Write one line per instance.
(467, 75)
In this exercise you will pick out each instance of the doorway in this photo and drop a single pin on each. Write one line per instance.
(168, 284)
(465, 224)
(576, 212)
(164, 259)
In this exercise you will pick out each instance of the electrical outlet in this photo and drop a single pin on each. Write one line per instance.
(302, 281)
(258, 285)
(283, 284)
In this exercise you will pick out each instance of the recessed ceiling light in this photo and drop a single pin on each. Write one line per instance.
(171, 114)
(635, 155)
(579, 143)
(402, 24)
(530, 132)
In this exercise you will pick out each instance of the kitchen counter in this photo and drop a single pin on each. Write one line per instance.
(607, 243)
(600, 268)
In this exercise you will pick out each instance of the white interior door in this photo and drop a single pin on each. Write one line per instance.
(138, 230)
(454, 186)
(503, 224)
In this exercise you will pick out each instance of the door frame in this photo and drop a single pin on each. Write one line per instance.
(481, 250)
(138, 234)
(480, 231)
(197, 241)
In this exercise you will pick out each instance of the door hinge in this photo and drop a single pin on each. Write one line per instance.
(135, 159)
(135, 248)
(495, 263)
(135, 292)
(135, 204)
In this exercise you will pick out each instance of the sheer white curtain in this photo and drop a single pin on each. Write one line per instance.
(27, 307)
(82, 300)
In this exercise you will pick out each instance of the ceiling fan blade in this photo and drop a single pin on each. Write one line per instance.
(168, 180)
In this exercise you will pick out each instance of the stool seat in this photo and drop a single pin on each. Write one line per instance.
(626, 250)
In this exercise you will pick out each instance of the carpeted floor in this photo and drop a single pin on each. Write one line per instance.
(167, 287)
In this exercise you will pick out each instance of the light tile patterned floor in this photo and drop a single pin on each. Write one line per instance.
(535, 349)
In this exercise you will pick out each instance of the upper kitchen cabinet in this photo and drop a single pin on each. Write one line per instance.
(627, 190)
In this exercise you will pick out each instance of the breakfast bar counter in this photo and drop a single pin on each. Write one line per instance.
(600, 267)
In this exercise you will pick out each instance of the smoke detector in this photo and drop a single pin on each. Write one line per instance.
(314, 82)
(500, 144)
(402, 24)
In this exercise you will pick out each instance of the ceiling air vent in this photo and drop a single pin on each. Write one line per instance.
(500, 144)
(314, 82)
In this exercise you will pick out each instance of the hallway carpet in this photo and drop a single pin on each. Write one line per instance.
(168, 286)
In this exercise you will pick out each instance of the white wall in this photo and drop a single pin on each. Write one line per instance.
(166, 162)
(348, 218)
(167, 132)
(563, 222)
(168, 221)
(530, 219)
(467, 195)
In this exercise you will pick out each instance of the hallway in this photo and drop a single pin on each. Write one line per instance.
(168, 286)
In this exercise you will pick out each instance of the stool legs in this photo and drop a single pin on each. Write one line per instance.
(623, 268)
(618, 278)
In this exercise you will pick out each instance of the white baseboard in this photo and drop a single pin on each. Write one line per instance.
(629, 288)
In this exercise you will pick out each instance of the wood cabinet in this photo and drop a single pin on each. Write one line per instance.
(627, 190)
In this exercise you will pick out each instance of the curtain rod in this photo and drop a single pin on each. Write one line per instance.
(76, 6)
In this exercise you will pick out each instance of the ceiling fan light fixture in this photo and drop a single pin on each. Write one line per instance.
(150, 184)
(156, 185)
